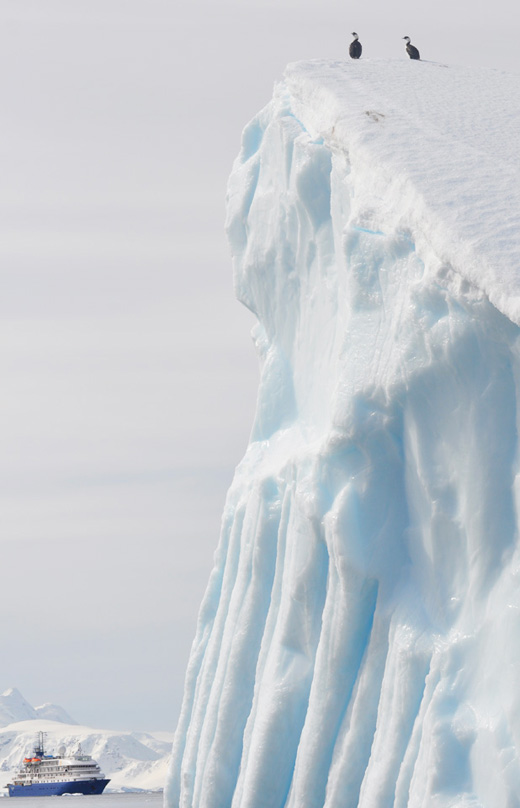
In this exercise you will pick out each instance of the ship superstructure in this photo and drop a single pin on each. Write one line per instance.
(48, 775)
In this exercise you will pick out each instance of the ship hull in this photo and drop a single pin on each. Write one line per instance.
(57, 789)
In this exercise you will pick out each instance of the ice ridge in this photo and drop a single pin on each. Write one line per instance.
(359, 641)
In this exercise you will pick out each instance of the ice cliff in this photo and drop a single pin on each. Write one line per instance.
(359, 642)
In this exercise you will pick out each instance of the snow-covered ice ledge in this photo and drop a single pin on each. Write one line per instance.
(359, 642)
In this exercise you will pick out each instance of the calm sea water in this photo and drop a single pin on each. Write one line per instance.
(100, 801)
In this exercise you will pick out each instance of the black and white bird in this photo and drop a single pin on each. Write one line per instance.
(411, 50)
(355, 47)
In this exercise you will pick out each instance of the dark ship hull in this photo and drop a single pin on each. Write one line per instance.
(57, 789)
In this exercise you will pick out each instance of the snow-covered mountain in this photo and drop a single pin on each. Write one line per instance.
(132, 760)
(359, 642)
(53, 712)
(13, 707)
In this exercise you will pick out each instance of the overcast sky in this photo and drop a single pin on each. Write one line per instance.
(128, 374)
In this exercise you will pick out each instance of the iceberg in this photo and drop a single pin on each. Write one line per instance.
(359, 640)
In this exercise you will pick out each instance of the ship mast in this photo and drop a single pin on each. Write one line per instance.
(39, 749)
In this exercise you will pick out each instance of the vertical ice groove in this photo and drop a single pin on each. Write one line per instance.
(353, 745)
(232, 688)
(400, 699)
(269, 628)
(359, 642)
(337, 669)
(285, 677)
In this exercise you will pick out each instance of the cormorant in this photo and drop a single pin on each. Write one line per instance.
(411, 50)
(355, 47)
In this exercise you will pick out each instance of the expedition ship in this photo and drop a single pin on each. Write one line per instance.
(49, 775)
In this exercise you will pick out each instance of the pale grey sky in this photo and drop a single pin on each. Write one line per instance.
(128, 374)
